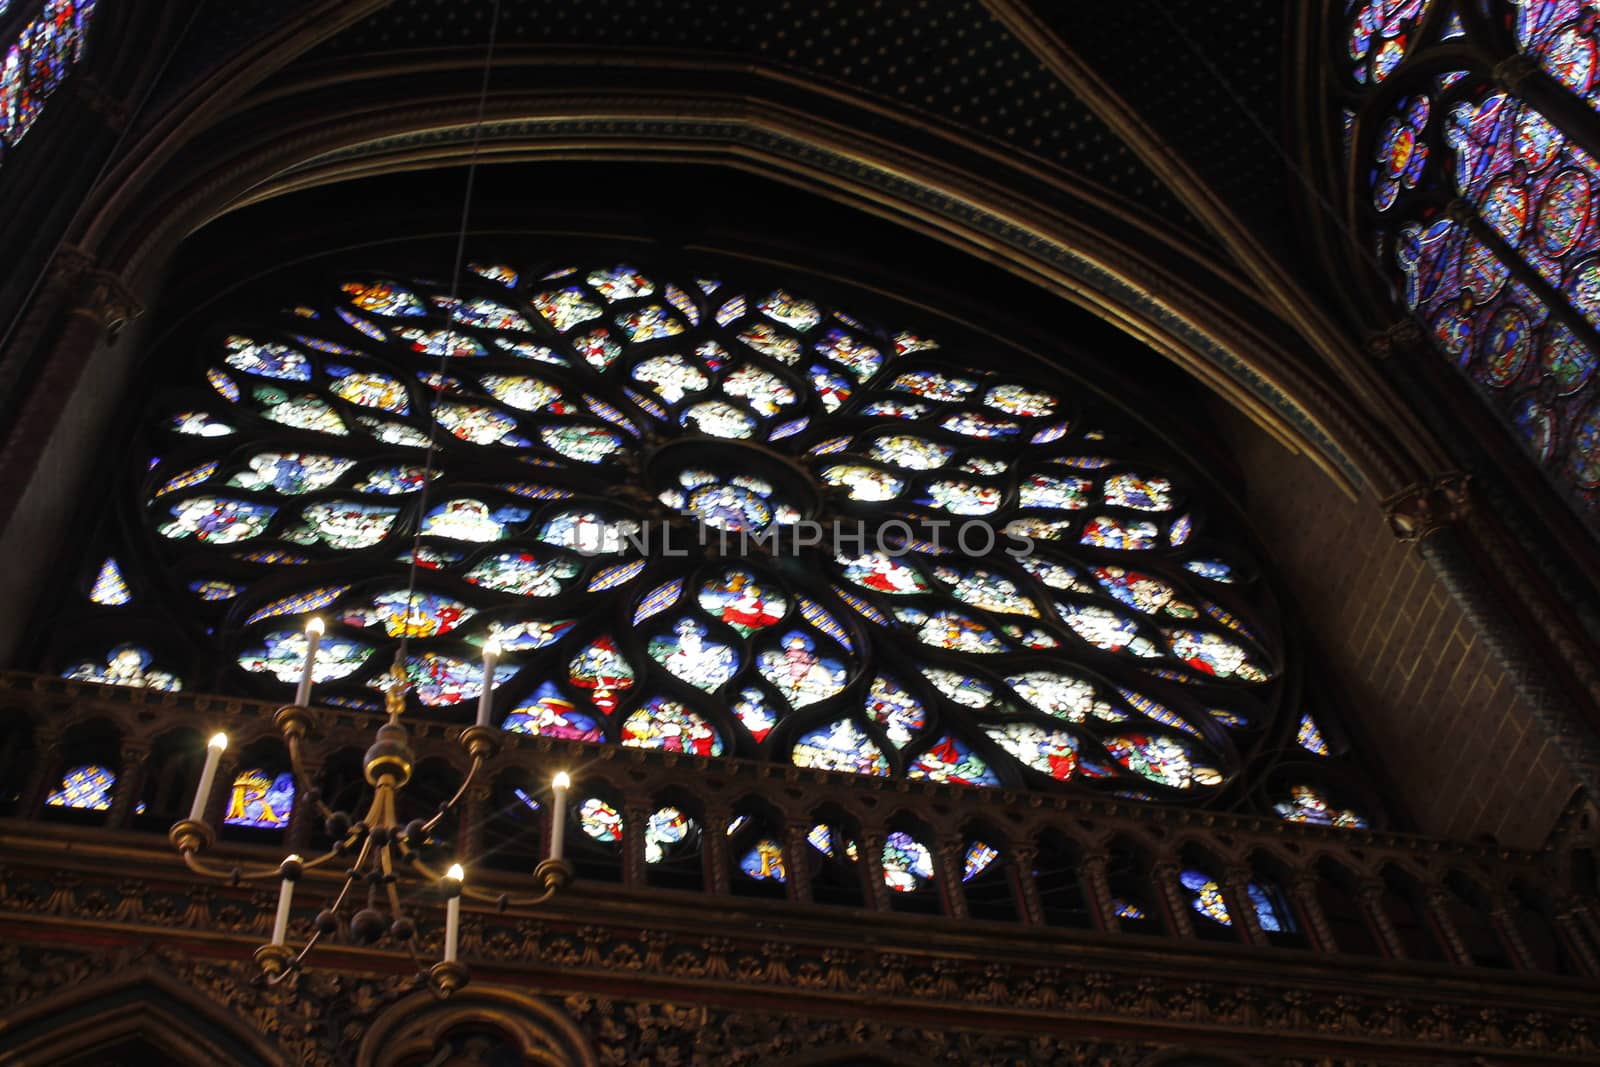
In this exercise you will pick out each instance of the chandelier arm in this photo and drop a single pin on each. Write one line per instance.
(504, 901)
(226, 874)
(472, 773)
(325, 858)
(302, 780)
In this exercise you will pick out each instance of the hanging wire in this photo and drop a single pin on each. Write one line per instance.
(448, 346)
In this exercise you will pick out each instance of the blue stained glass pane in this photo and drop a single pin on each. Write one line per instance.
(85, 788)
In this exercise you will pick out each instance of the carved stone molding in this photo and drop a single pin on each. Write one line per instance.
(1425, 508)
(740, 973)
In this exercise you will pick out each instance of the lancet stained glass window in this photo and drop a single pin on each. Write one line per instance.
(901, 564)
(1482, 205)
(36, 61)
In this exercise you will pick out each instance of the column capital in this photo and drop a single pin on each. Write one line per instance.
(1425, 508)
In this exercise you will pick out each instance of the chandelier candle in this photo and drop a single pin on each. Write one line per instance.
(452, 910)
(302, 695)
(280, 922)
(491, 653)
(558, 814)
(208, 776)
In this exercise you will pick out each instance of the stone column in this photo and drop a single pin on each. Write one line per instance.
(797, 860)
(1097, 891)
(1308, 906)
(1438, 905)
(133, 770)
(1164, 877)
(877, 891)
(44, 777)
(1370, 893)
(949, 865)
(1236, 891)
(1023, 860)
(719, 875)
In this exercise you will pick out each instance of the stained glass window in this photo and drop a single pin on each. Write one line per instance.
(260, 799)
(86, 788)
(880, 559)
(36, 61)
(1481, 206)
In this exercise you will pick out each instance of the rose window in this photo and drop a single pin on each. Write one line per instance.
(697, 516)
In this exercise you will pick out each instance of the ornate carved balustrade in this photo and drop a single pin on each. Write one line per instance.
(1106, 867)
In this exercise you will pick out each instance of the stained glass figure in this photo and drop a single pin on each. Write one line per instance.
(441, 681)
(370, 389)
(126, 665)
(764, 861)
(290, 473)
(601, 668)
(950, 630)
(963, 498)
(1137, 491)
(420, 614)
(1160, 759)
(261, 800)
(600, 821)
(882, 572)
(665, 829)
(739, 600)
(282, 654)
(910, 453)
(384, 298)
(1060, 492)
(688, 653)
(864, 483)
(526, 635)
(900, 714)
(1104, 531)
(672, 377)
(669, 726)
(798, 673)
(1107, 629)
(344, 524)
(1063, 696)
(217, 520)
(471, 520)
(199, 424)
(266, 359)
(754, 713)
(1308, 804)
(586, 444)
(840, 746)
(857, 357)
(523, 573)
(303, 412)
(549, 714)
(1214, 655)
(950, 760)
(907, 863)
(1053, 752)
(985, 589)
(1206, 896)
(1018, 400)
(85, 788)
